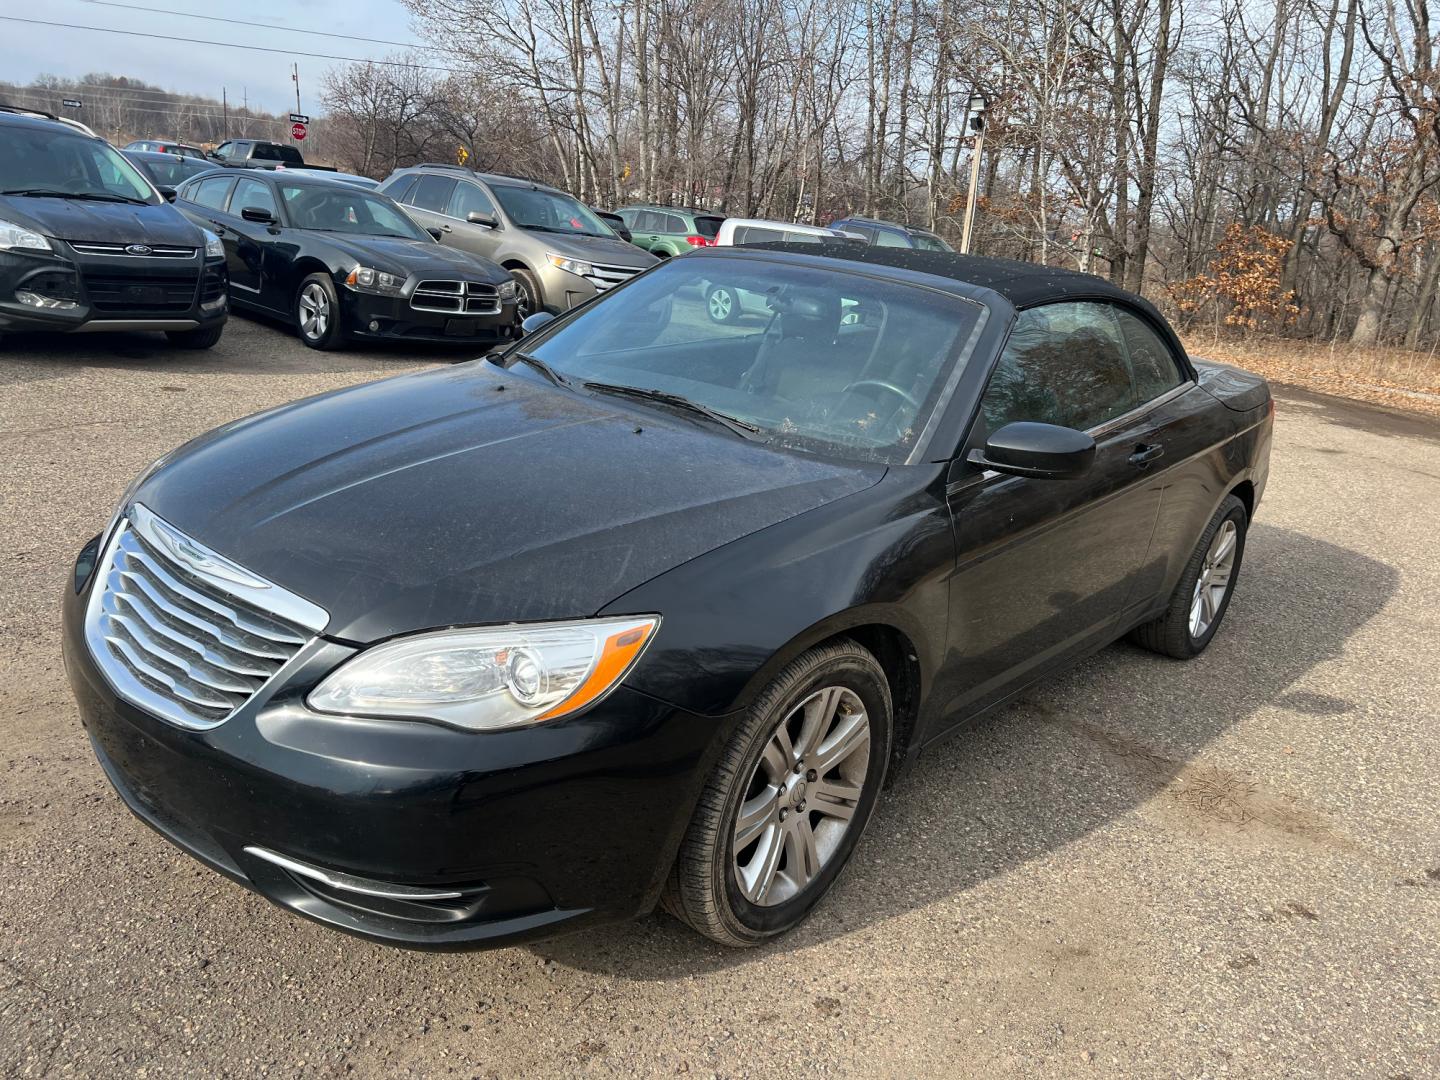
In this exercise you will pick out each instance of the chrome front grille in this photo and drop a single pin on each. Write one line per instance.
(456, 297)
(606, 277)
(135, 251)
(181, 631)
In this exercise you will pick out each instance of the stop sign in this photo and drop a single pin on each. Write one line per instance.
(297, 131)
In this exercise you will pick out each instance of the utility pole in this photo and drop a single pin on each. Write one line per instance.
(295, 77)
(225, 121)
(976, 113)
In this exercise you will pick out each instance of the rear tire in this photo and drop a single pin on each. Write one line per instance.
(802, 798)
(722, 304)
(1198, 604)
(206, 337)
(317, 313)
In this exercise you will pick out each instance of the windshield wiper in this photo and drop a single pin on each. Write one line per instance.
(540, 366)
(664, 397)
(94, 196)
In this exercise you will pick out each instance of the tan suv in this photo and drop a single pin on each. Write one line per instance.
(556, 247)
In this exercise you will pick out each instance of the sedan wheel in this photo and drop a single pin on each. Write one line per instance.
(1214, 580)
(317, 312)
(788, 800)
(722, 305)
(802, 796)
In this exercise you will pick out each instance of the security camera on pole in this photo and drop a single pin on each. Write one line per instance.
(976, 113)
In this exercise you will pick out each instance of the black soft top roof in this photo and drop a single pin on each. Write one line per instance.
(1023, 284)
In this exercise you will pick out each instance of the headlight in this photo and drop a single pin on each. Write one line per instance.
(214, 246)
(488, 679)
(508, 291)
(18, 238)
(572, 266)
(368, 280)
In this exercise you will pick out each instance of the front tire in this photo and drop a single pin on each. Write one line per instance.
(205, 337)
(317, 313)
(788, 800)
(1202, 596)
(530, 300)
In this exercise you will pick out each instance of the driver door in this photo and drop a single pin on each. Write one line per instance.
(1044, 566)
(247, 241)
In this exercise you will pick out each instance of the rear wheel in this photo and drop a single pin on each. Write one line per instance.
(1203, 593)
(317, 313)
(722, 304)
(788, 800)
(206, 337)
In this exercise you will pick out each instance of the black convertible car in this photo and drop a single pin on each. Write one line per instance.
(340, 262)
(648, 607)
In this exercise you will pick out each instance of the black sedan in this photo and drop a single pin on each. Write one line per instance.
(167, 171)
(341, 262)
(648, 607)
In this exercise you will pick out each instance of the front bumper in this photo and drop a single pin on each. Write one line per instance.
(111, 293)
(537, 830)
(392, 318)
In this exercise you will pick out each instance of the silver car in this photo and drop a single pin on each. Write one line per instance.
(556, 247)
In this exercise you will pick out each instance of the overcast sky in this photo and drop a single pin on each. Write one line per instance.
(27, 50)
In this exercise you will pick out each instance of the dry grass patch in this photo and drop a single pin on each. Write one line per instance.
(1386, 376)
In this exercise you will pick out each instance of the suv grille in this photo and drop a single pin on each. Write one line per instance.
(135, 251)
(171, 638)
(456, 298)
(151, 294)
(605, 277)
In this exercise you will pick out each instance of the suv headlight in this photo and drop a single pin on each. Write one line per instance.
(508, 291)
(369, 280)
(18, 238)
(572, 266)
(491, 678)
(214, 246)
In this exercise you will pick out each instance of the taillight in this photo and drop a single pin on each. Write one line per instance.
(699, 241)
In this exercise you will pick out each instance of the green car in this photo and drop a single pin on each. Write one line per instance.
(670, 230)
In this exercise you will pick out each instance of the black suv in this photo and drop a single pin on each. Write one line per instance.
(87, 243)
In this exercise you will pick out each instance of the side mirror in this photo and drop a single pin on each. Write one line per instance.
(475, 217)
(434, 231)
(536, 321)
(167, 193)
(1041, 451)
(257, 215)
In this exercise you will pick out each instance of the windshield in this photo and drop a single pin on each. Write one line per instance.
(347, 208)
(825, 361)
(549, 211)
(172, 171)
(39, 159)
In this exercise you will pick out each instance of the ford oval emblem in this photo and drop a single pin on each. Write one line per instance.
(137, 249)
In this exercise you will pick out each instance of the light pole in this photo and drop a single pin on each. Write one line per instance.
(975, 110)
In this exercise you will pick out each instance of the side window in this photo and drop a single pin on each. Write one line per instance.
(859, 230)
(647, 221)
(1064, 364)
(469, 199)
(890, 238)
(212, 192)
(433, 193)
(673, 224)
(400, 189)
(223, 150)
(254, 193)
(1150, 357)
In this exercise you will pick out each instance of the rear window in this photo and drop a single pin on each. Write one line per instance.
(433, 193)
(708, 227)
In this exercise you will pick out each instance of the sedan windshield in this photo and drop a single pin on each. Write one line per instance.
(41, 162)
(819, 360)
(347, 208)
(549, 211)
(172, 170)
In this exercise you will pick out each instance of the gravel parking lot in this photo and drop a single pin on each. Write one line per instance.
(1230, 866)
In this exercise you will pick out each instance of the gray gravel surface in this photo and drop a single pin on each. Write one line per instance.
(1225, 867)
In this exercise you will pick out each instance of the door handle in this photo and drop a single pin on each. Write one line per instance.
(1146, 453)
(446, 228)
(219, 229)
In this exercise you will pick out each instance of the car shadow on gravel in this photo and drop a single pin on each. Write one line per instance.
(1074, 753)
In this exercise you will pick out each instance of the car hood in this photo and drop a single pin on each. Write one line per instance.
(102, 222)
(605, 249)
(471, 495)
(396, 255)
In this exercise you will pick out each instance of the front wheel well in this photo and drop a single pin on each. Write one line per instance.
(901, 664)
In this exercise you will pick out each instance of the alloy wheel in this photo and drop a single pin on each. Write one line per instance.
(1214, 580)
(802, 796)
(314, 311)
(720, 304)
